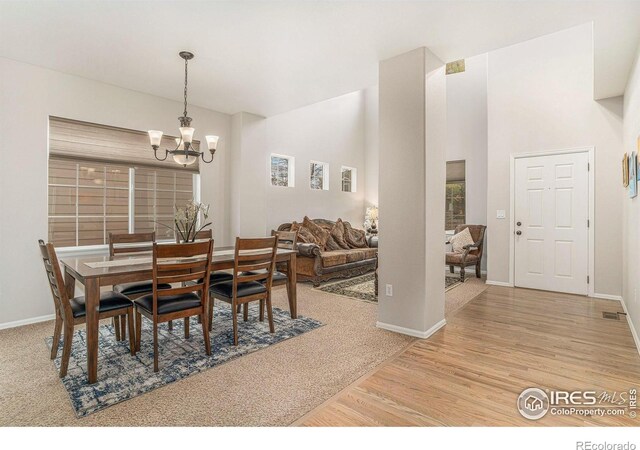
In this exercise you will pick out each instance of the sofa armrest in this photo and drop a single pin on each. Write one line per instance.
(309, 250)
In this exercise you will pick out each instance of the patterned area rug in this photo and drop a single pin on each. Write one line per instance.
(122, 376)
(363, 287)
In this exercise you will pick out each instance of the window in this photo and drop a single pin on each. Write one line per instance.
(455, 202)
(90, 197)
(282, 170)
(319, 176)
(349, 179)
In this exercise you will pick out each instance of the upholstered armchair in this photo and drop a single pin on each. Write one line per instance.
(472, 254)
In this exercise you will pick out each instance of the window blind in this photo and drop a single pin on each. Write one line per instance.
(74, 139)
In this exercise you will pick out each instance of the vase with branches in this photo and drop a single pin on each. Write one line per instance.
(187, 220)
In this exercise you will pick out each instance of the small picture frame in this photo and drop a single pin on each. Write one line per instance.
(625, 170)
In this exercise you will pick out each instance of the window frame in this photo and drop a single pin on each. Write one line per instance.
(448, 198)
(353, 181)
(325, 175)
(291, 170)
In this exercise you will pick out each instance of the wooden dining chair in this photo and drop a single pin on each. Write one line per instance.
(216, 276)
(129, 244)
(286, 240)
(70, 312)
(189, 266)
(254, 263)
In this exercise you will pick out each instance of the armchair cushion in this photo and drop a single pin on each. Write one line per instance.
(456, 258)
(460, 240)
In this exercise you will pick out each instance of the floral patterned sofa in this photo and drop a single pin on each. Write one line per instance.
(328, 250)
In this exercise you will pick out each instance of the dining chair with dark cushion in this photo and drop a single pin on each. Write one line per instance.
(188, 266)
(253, 267)
(130, 244)
(216, 276)
(70, 312)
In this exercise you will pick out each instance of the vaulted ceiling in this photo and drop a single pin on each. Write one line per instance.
(268, 57)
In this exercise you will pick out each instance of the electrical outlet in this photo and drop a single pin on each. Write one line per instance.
(389, 290)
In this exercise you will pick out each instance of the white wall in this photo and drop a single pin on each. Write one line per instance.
(331, 131)
(540, 98)
(467, 134)
(631, 207)
(371, 146)
(28, 95)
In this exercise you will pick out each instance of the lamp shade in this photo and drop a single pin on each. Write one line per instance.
(212, 142)
(187, 134)
(155, 137)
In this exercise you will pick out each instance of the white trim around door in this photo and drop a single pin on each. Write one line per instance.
(592, 224)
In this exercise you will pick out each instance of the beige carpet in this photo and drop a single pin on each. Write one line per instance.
(274, 386)
(463, 293)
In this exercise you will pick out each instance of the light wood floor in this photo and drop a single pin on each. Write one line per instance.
(472, 371)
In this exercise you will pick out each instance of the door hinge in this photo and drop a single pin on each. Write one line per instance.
(587, 279)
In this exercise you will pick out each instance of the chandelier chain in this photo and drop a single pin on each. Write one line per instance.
(185, 87)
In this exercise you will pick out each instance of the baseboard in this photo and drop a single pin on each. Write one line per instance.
(608, 297)
(499, 283)
(19, 323)
(636, 339)
(410, 331)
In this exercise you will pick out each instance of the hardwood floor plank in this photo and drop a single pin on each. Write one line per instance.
(472, 371)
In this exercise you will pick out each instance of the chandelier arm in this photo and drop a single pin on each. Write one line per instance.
(204, 160)
(166, 154)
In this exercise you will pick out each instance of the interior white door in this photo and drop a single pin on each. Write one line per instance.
(551, 222)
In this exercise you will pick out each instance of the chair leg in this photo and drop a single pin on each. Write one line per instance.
(245, 312)
(170, 325)
(138, 330)
(66, 349)
(261, 310)
(270, 313)
(235, 324)
(451, 269)
(239, 308)
(116, 326)
(57, 330)
(186, 327)
(155, 346)
(132, 339)
(123, 327)
(210, 313)
(478, 272)
(205, 329)
(462, 273)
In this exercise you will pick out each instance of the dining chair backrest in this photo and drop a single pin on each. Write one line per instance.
(286, 239)
(187, 264)
(128, 239)
(200, 235)
(254, 260)
(56, 281)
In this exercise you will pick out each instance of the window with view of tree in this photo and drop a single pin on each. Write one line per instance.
(282, 170)
(348, 179)
(455, 202)
(90, 197)
(319, 176)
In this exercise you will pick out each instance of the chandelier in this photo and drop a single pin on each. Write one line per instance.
(184, 153)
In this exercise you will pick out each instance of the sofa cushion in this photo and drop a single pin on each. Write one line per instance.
(331, 244)
(334, 258)
(304, 235)
(338, 234)
(355, 238)
(320, 234)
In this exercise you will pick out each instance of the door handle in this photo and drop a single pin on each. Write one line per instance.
(518, 232)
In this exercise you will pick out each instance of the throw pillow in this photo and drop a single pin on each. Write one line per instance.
(304, 235)
(355, 238)
(458, 241)
(338, 235)
(320, 234)
(332, 245)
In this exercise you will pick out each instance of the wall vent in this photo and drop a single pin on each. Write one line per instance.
(610, 315)
(455, 67)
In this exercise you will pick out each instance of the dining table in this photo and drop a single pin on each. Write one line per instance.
(96, 271)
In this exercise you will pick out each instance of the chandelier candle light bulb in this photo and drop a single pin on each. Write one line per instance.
(184, 153)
